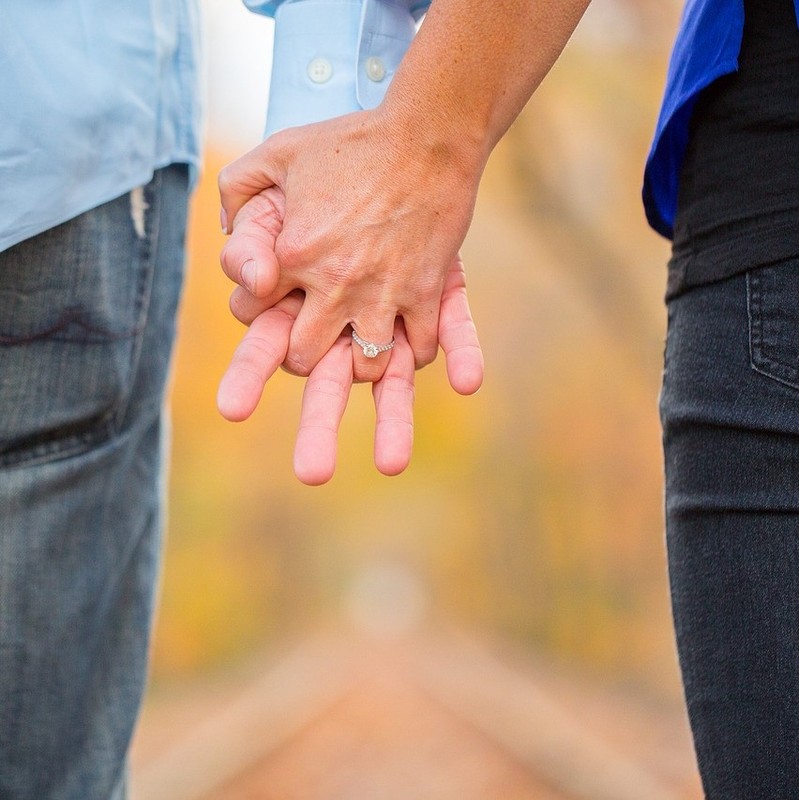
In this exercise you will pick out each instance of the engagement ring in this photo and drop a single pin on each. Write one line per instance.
(370, 349)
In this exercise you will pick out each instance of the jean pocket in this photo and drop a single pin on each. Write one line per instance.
(773, 302)
(73, 305)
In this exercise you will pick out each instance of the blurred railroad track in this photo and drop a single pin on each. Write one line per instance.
(342, 717)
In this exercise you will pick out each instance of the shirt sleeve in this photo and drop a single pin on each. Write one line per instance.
(267, 8)
(332, 57)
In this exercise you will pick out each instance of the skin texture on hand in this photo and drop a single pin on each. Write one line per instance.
(325, 396)
(369, 233)
(264, 346)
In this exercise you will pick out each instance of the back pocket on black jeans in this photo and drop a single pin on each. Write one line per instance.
(773, 299)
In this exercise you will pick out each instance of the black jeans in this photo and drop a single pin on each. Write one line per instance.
(730, 412)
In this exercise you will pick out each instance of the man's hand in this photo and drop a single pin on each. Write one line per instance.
(326, 393)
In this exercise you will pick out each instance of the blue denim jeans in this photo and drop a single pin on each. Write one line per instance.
(730, 411)
(87, 320)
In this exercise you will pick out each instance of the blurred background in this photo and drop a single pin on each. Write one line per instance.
(494, 623)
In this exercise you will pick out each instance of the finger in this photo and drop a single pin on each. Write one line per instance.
(372, 347)
(248, 260)
(458, 334)
(315, 331)
(248, 257)
(421, 323)
(393, 395)
(255, 360)
(323, 402)
(245, 177)
(245, 308)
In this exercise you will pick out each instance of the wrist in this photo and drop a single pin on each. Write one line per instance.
(447, 141)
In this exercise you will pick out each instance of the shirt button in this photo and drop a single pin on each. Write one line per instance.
(320, 70)
(375, 69)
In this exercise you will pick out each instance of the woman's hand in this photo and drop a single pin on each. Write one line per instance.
(373, 217)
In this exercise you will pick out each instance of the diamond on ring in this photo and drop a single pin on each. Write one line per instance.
(370, 349)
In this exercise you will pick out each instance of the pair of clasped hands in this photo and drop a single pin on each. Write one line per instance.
(338, 226)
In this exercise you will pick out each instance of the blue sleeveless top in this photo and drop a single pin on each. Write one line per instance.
(707, 47)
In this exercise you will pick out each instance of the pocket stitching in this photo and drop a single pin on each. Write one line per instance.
(759, 360)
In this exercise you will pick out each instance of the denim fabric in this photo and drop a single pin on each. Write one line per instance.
(87, 319)
(730, 411)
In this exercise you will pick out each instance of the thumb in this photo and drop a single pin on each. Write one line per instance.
(242, 179)
(248, 257)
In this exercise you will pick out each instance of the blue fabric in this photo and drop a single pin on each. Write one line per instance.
(730, 412)
(87, 319)
(707, 46)
(94, 97)
(347, 35)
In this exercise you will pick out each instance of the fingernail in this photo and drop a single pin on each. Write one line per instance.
(249, 274)
(223, 219)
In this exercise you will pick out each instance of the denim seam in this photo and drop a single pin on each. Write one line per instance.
(152, 221)
(759, 360)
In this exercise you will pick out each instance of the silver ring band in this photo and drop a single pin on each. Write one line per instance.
(370, 349)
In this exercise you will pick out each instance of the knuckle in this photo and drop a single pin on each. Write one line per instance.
(327, 386)
(241, 307)
(368, 373)
(460, 330)
(296, 365)
(263, 350)
(429, 293)
(341, 273)
(425, 356)
(227, 258)
(398, 385)
(225, 179)
(291, 248)
(238, 311)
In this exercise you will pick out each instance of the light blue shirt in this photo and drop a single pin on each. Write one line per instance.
(94, 96)
(332, 57)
